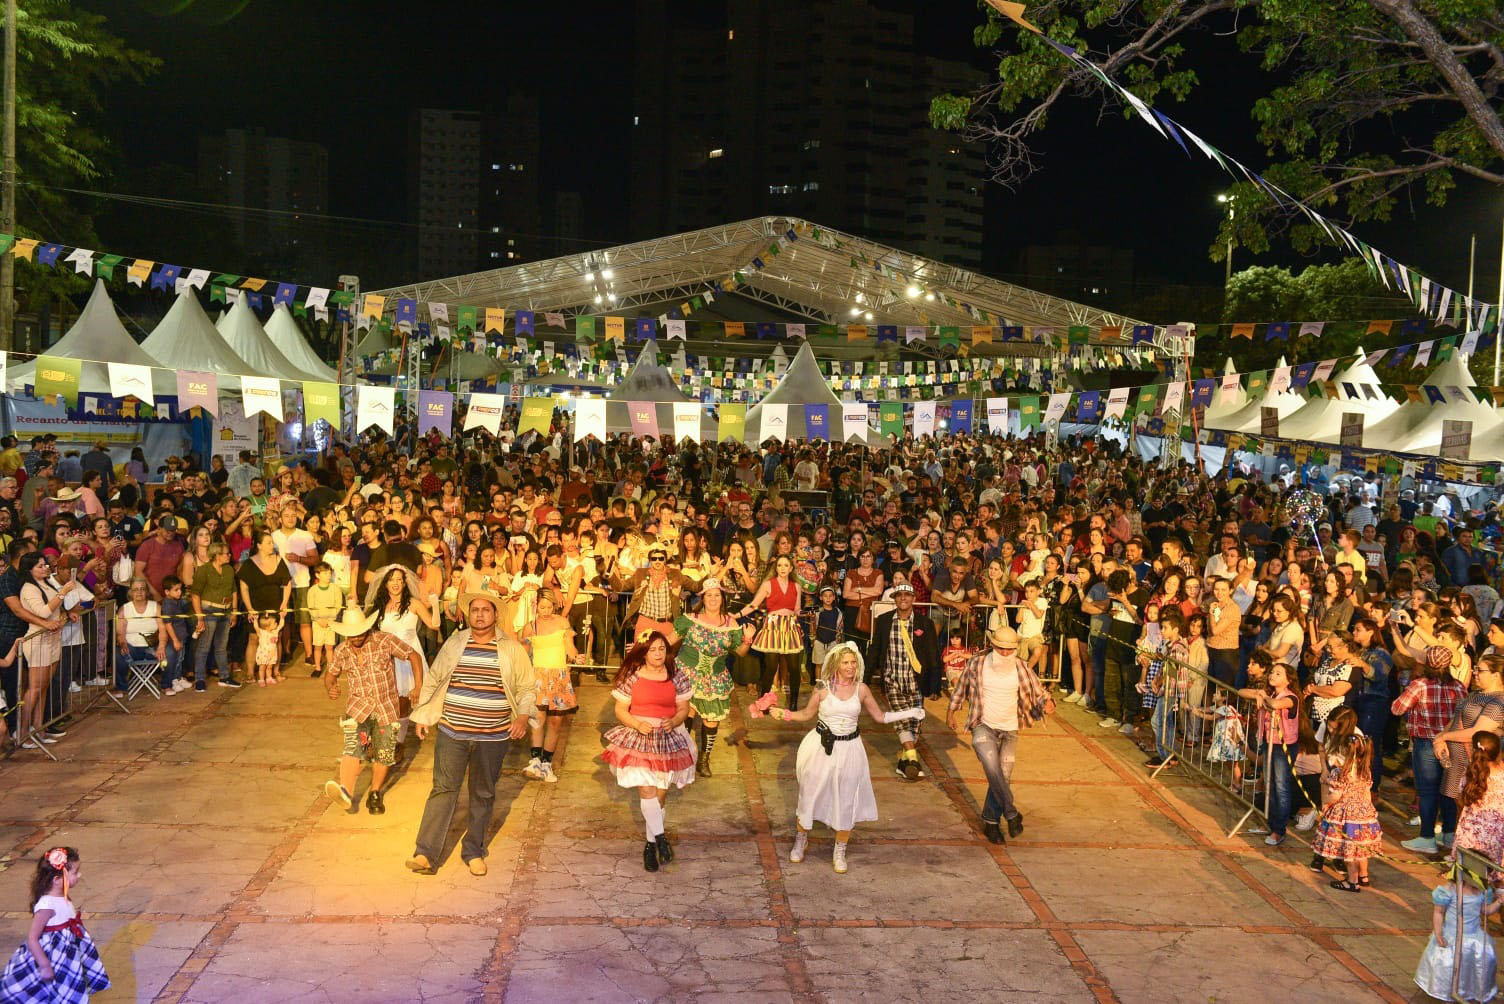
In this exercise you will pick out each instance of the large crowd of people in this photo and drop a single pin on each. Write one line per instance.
(689, 575)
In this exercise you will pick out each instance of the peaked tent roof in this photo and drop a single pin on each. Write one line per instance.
(187, 340)
(648, 381)
(374, 342)
(1321, 418)
(1239, 397)
(1416, 426)
(1250, 417)
(245, 335)
(98, 337)
(289, 340)
(802, 384)
(817, 275)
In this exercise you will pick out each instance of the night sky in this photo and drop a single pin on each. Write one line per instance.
(347, 75)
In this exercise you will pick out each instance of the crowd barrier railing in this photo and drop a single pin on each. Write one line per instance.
(82, 679)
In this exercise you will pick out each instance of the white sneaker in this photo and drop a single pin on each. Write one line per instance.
(534, 769)
(838, 858)
(801, 841)
(1307, 819)
(1109, 723)
(74, 688)
(1075, 698)
(1414, 820)
(169, 691)
(548, 773)
(100, 681)
(182, 685)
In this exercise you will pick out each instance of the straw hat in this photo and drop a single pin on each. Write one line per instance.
(353, 622)
(66, 495)
(491, 598)
(1003, 636)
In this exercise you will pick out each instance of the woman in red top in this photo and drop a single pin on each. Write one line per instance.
(780, 640)
(650, 750)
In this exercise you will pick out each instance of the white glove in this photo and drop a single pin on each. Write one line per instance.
(916, 714)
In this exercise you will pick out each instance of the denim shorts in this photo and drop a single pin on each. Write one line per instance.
(369, 741)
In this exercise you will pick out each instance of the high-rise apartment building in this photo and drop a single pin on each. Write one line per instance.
(283, 185)
(444, 186)
(824, 116)
(510, 210)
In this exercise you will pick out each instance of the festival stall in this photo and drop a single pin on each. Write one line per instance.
(1320, 420)
(1250, 417)
(1446, 395)
(802, 385)
(645, 402)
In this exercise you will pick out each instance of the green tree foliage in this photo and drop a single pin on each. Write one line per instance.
(67, 60)
(1365, 99)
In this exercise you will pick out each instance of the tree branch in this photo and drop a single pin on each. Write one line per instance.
(1425, 34)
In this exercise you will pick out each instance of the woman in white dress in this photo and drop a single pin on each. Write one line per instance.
(835, 782)
(394, 591)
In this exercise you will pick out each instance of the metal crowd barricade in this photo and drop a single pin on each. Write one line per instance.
(87, 657)
(1208, 728)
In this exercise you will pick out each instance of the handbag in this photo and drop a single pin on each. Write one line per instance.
(123, 571)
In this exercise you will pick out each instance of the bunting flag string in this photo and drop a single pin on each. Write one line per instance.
(1431, 297)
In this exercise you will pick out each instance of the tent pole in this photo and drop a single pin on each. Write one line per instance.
(1500, 307)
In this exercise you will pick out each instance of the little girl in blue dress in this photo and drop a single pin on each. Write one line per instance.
(1476, 961)
(58, 964)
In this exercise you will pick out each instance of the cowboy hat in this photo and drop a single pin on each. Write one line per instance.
(491, 598)
(1003, 636)
(66, 495)
(353, 622)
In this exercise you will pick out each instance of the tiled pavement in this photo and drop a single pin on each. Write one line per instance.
(214, 870)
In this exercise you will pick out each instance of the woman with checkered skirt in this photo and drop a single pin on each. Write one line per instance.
(651, 750)
(780, 640)
(59, 963)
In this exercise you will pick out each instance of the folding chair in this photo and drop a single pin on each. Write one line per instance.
(143, 676)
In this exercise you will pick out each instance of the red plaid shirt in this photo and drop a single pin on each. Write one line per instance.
(1428, 706)
(373, 679)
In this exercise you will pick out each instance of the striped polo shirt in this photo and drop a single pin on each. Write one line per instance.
(475, 706)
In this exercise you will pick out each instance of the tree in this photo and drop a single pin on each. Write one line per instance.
(1366, 99)
(67, 59)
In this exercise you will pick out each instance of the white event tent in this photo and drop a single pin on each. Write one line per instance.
(1416, 426)
(802, 384)
(244, 334)
(1250, 417)
(647, 382)
(187, 340)
(289, 340)
(1321, 419)
(1220, 409)
(98, 337)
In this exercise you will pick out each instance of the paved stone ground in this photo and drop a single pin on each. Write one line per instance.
(215, 869)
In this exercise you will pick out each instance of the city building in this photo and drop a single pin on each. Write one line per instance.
(286, 178)
(823, 116)
(444, 186)
(510, 171)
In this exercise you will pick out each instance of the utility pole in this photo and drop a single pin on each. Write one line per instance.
(8, 185)
(1472, 261)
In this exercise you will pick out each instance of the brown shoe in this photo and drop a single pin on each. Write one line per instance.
(477, 866)
(419, 863)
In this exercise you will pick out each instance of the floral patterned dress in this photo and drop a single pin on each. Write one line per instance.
(1480, 827)
(703, 658)
(1349, 829)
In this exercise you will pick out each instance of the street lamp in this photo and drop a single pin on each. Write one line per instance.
(1230, 201)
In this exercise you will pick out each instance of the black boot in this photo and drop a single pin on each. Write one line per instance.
(375, 805)
(702, 762)
(665, 852)
(1016, 826)
(993, 833)
(649, 857)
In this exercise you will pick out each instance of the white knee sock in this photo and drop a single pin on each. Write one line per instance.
(652, 814)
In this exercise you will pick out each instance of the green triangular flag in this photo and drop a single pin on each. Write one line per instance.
(465, 319)
(104, 266)
(1028, 413)
(950, 337)
(584, 328)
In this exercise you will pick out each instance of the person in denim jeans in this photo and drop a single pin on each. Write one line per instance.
(1375, 666)
(1429, 703)
(1282, 725)
(1004, 694)
(213, 596)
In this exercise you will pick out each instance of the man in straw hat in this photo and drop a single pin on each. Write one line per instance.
(366, 658)
(478, 694)
(905, 652)
(1004, 694)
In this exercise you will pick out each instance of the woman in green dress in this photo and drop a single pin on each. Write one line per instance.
(708, 638)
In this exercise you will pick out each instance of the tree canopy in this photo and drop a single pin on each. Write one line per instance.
(1365, 100)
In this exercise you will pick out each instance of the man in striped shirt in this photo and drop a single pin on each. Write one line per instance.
(477, 695)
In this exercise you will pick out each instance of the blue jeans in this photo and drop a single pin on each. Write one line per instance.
(996, 750)
(1281, 788)
(1163, 722)
(216, 636)
(1098, 649)
(453, 760)
(140, 653)
(1428, 772)
(1373, 719)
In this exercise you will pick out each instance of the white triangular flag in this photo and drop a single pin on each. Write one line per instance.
(82, 260)
(438, 312)
(590, 418)
(1231, 382)
(374, 406)
(485, 412)
(1117, 403)
(913, 333)
(854, 422)
(195, 279)
(997, 416)
(130, 380)
(686, 421)
(794, 330)
(317, 297)
(775, 422)
(261, 394)
(1055, 411)
(320, 312)
(675, 329)
(1279, 380)
(924, 418)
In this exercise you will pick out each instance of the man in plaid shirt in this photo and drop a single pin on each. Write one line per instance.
(366, 658)
(1429, 704)
(1003, 693)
